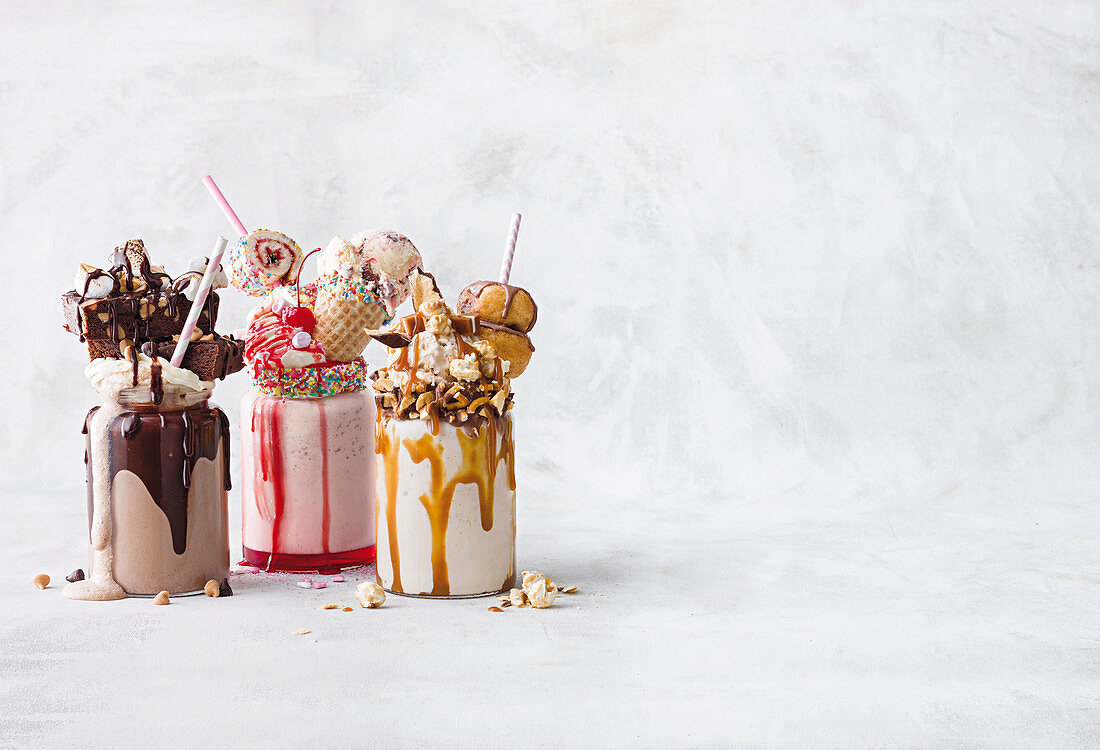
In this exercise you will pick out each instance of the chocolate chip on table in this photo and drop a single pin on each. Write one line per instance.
(76, 575)
(225, 589)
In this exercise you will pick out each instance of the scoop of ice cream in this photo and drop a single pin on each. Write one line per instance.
(110, 376)
(378, 263)
(391, 253)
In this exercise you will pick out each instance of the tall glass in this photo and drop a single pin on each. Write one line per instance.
(446, 507)
(168, 470)
(307, 495)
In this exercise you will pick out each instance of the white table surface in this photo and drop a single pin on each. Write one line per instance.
(813, 418)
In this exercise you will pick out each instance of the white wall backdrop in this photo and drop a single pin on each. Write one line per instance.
(813, 278)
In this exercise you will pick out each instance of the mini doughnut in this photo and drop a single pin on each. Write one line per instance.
(503, 304)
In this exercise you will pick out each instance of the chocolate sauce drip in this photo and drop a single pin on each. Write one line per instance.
(99, 273)
(225, 446)
(88, 418)
(134, 361)
(188, 447)
(131, 423)
(164, 459)
(156, 383)
(475, 290)
(498, 327)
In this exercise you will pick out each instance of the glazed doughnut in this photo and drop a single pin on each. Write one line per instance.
(505, 305)
(263, 260)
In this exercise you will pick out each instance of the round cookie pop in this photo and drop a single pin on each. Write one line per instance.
(263, 260)
(510, 345)
(503, 304)
(505, 314)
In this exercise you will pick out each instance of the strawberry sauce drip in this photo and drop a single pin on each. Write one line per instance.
(323, 430)
(268, 462)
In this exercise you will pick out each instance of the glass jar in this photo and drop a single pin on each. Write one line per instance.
(446, 507)
(307, 490)
(168, 471)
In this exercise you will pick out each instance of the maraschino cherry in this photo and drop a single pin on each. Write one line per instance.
(298, 317)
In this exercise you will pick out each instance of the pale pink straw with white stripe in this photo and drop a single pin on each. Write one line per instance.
(509, 250)
(200, 299)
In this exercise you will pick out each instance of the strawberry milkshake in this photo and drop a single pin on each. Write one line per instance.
(307, 428)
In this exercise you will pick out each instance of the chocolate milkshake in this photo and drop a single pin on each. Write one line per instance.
(157, 449)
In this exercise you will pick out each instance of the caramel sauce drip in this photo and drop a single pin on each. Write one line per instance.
(482, 454)
(383, 446)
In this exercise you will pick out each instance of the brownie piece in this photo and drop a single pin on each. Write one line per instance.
(138, 317)
(210, 359)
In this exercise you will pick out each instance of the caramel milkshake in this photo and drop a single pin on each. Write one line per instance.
(447, 505)
(446, 501)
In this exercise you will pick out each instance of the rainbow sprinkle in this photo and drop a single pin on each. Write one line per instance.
(246, 277)
(309, 382)
(354, 288)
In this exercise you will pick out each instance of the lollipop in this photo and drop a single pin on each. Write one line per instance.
(263, 260)
(505, 313)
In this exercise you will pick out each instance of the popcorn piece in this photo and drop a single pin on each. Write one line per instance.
(161, 598)
(466, 368)
(370, 595)
(517, 598)
(484, 348)
(539, 589)
(432, 306)
(438, 324)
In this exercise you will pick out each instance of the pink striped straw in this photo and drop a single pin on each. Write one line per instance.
(200, 299)
(224, 205)
(509, 250)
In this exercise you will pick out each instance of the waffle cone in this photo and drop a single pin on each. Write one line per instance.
(340, 324)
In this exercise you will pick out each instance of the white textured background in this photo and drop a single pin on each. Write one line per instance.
(813, 417)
